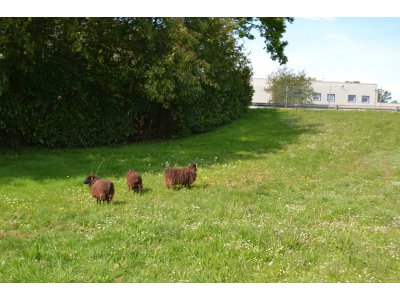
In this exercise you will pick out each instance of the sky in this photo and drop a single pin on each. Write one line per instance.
(365, 49)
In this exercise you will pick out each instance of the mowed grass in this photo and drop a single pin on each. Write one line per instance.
(280, 196)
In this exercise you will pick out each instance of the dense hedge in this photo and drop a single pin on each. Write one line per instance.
(99, 81)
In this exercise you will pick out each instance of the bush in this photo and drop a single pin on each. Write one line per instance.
(67, 82)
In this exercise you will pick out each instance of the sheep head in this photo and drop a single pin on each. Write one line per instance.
(91, 179)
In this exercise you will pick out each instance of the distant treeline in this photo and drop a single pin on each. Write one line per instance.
(67, 82)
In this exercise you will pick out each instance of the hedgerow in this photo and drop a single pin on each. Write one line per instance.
(79, 82)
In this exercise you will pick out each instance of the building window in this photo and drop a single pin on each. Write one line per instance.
(331, 98)
(317, 97)
(365, 99)
(351, 98)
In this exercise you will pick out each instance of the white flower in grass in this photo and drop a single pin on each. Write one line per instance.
(271, 263)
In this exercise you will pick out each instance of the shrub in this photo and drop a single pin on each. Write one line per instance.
(67, 82)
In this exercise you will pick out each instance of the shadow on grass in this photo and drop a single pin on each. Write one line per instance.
(145, 190)
(200, 186)
(118, 202)
(182, 187)
(257, 133)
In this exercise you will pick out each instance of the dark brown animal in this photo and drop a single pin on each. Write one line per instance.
(180, 176)
(101, 189)
(134, 181)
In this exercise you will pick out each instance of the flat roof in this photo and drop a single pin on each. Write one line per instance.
(339, 82)
(344, 82)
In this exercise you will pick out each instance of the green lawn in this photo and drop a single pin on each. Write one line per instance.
(280, 196)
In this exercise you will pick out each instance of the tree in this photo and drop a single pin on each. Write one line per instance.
(99, 81)
(384, 96)
(271, 29)
(285, 86)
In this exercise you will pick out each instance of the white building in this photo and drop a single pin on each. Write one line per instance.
(260, 95)
(328, 93)
(345, 93)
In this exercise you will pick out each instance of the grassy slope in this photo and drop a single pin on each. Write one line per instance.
(281, 196)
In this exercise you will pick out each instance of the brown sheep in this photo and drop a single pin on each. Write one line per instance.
(134, 180)
(183, 176)
(101, 189)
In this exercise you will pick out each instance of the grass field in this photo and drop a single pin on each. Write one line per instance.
(280, 196)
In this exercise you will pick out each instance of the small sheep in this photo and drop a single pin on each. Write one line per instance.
(134, 181)
(101, 189)
(184, 176)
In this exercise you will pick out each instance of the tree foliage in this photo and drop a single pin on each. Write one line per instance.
(99, 81)
(384, 96)
(271, 29)
(287, 86)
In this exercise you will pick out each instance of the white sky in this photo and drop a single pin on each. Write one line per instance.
(339, 49)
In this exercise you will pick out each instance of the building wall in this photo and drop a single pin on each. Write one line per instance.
(363, 94)
(340, 90)
(260, 95)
